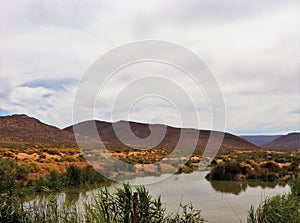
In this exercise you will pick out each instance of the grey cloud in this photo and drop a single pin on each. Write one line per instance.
(252, 46)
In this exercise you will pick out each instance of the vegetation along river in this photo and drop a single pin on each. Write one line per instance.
(219, 201)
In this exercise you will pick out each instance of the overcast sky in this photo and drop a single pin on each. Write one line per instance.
(252, 47)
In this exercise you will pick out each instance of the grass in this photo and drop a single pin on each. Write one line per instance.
(118, 207)
(106, 207)
(279, 209)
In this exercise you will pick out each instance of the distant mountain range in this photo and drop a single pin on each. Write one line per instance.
(289, 141)
(259, 140)
(21, 128)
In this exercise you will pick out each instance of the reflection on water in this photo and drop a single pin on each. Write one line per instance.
(219, 201)
(236, 187)
(232, 187)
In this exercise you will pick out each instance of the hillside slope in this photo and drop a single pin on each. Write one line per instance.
(107, 134)
(259, 140)
(21, 128)
(289, 141)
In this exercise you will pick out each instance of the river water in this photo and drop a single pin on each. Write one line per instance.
(219, 201)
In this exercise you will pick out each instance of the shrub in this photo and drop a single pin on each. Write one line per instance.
(32, 165)
(270, 177)
(42, 156)
(294, 167)
(278, 209)
(22, 172)
(51, 160)
(29, 151)
(73, 175)
(70, 159)
(71, 151)
(40, 185)
(90, 175)
(9, 154)
(295, 187)
(7, 175)
(225, 171)
(81, 158)
(270, 165)
(52, 151)
(54, 180)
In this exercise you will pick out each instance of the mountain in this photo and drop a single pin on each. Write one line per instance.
(259, 140)
(170, 139)
(21, 128)
(289, 141)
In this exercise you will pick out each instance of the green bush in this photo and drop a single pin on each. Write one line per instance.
(294, 167)
(225, 171)
(32, 165)
(22, 172)
(69, 159)
(7, 175)
(270, 165)
(278, 209)
(73, 175)
(90, 175)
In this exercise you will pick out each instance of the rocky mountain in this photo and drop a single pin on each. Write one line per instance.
(259, 140)
(289, 141)
(170, 139)
(21, 128)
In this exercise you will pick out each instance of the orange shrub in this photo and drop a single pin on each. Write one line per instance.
(32, 165)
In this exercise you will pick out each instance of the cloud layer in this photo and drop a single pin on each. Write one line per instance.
(251, 46)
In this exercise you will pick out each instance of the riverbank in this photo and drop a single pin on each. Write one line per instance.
(267, 171)
(210, 197)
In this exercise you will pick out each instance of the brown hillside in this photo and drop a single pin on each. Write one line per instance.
(21, 128)
(107, 134)
(289, 141)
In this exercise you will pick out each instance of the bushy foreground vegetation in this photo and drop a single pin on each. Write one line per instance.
(250, 170)
(109, 207)
(279, 209)
(13, 175)
(120, 206)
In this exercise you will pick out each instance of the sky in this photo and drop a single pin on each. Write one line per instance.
(251, 47)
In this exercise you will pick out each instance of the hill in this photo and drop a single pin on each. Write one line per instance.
(172, 135)
(259, 140)
(289, 141)
(21, 128)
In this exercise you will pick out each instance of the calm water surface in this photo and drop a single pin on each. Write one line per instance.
(219, 201)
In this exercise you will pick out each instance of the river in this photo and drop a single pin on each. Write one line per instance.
(219, 201)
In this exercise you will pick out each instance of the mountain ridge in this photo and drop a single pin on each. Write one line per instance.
(289, 141)
(22, 128)
(142, 130)
(259, 140)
